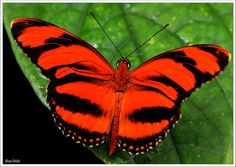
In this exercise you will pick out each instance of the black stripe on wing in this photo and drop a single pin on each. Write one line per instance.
(75, 104)
(223, 59)
(154, 114)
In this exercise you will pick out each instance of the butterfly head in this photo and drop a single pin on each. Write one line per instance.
(123, 62)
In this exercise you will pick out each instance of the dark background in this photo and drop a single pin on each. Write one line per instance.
(29, 133)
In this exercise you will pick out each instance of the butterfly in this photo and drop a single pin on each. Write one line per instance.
(93, 103)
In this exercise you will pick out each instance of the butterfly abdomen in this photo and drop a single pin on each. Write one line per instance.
(115, 122)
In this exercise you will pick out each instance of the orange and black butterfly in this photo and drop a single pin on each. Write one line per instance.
(92, 102)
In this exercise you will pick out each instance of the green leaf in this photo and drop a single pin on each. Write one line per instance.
(204, 134)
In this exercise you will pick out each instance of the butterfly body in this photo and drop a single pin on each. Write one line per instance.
(93, 103)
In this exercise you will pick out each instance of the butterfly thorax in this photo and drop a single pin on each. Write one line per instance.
(121, 78)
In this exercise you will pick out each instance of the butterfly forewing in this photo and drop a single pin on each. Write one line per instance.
(178, 72)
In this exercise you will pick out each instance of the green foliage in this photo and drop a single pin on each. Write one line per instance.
(204, 134)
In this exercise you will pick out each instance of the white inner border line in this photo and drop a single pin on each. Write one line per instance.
(109, 1)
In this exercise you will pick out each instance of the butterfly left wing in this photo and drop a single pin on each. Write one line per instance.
(152, 101)
(79, 92)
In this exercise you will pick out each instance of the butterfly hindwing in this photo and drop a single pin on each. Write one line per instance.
(76, 70)
(145, 120)
(152, 104)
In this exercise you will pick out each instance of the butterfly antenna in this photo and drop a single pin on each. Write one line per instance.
(106, 33)
(148, 39)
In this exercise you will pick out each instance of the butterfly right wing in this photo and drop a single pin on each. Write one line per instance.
(152, 101)
(79, 92)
